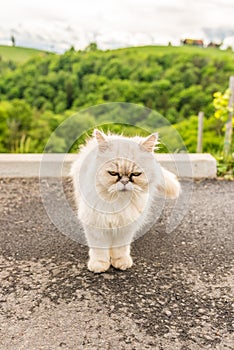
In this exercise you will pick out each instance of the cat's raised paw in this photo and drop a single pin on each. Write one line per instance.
(98, 266)
(122, 263)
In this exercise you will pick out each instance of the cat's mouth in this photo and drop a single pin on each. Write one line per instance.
(128, 188)
(124, 189)
(119, 188)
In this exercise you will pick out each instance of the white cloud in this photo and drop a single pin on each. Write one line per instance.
(112, 23)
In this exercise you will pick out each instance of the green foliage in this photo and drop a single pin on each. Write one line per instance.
(38, 95)
(15, 123)
(177, 82)
(222, 113)
(212, 135)
(221, 102)
(225, 166)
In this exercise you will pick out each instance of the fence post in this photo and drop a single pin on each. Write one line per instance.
(228, 129)
(200, 132)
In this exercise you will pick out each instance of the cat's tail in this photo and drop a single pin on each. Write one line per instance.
(169, 186)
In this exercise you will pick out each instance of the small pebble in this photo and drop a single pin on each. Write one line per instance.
(168, 313)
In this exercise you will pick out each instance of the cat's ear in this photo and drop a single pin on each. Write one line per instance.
(150, 142)
(101, 139)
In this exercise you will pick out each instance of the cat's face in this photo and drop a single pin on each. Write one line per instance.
(122, 175)
(123, 165)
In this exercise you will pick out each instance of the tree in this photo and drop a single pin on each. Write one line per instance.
(13, 40)
(91, 47)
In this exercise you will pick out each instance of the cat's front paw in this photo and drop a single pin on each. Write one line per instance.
(98, 266)
(122, 263)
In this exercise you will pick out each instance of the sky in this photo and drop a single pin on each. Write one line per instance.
(58, 25)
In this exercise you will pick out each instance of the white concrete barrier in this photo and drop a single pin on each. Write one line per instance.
(184, 165)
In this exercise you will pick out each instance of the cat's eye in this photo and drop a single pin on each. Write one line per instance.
(113, 173)
(136, 174)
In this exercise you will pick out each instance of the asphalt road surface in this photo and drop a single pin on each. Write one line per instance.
(179, 294)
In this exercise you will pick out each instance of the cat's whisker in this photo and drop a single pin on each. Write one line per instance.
(104, 191)
(112, 195)
(138, 189)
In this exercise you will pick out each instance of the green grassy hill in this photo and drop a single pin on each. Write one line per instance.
(22, 54)
(19, 54)
(211, 52)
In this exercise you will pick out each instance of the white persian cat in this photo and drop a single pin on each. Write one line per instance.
(116, 179)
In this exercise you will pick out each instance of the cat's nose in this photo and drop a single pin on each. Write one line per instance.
(124, 181)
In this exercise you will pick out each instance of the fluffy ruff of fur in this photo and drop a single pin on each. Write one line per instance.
(116, 179)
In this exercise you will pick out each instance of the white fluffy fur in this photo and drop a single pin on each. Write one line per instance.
(112, 211)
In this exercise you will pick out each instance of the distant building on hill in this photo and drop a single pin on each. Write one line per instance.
(193, 42)
(214, 45)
